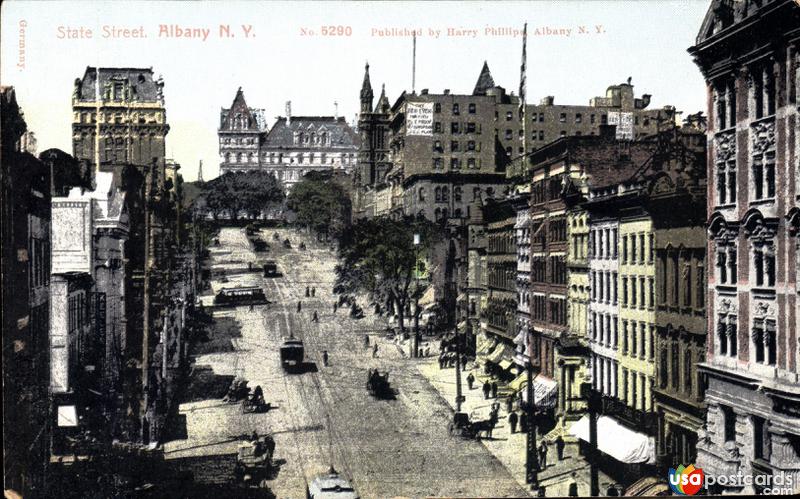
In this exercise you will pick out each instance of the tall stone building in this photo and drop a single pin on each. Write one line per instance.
(293, 147)
(748, 54)
(25, 280)
(120, 126)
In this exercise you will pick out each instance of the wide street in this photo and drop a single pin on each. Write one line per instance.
(323, 417)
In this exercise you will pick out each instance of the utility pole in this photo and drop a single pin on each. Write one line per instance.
(459, 397)
(414, 343)
(531, 457)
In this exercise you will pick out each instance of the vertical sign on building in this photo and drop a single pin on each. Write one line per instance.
(100, 317)
(419, 118)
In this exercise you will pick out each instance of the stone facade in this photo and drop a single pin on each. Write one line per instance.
(294, 146)
(748, 54)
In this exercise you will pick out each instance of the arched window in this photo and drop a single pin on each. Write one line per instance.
(445, 194)
(438, 195)
(457, 194)
(422, 194)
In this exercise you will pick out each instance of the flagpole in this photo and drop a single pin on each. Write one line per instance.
(414, 64)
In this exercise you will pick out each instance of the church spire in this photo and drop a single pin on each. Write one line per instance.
(200, 172)
(366, 92)
(485, 81)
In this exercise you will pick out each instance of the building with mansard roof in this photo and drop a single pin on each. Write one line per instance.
(292, 147)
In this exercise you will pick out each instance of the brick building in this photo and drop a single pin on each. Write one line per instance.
(748, 54)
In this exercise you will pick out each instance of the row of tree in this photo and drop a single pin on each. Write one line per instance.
(379, 257)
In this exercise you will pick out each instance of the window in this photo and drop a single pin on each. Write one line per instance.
(700, 281)
(641, 248)
(764, 341)
(763, 180)
(471, 108)
(455, 163)
(437, 107)
(651, 292)
(445, 194)
(578, 118)
(726, 334)
(729, 423)
(761, 439)
(562, 118)
(471, 164)
(421, 194)
(727, 268)
(604, 119)
(650, 248)
(454, 146)
(633, 292)
(726, 182)
(541, 117)
(541, 134)
(471, 127)
(764, 264)
(437, 146)
(457, 192)
(509, 134)
(437, 127)
(455, 108)
(624, 336)
(470, 145)
(625, 249)
(455, 127)
(633, 248)
(509, 115)
(625, 291)
(437, 163)
(675, 378)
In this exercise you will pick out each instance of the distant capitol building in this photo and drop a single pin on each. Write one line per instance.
(293, 146)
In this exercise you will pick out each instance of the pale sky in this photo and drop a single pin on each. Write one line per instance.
(285, 56)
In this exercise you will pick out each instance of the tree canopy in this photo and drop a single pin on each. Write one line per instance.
(320, 204)
(249, 192)
(378, 256)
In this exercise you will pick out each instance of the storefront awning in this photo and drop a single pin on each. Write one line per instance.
(545, 391)
(505, 364)
(617, 441)
(500, 352)
(427, 297)
(67, 416)
(484, 344)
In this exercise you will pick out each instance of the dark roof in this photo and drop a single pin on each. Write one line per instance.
(143, 87)
(485, 81)
(340, 133)
(239, 106)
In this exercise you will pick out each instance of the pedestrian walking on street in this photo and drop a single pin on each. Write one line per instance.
(470, 380)
(335, 307)
(543, 456)
(366, 341)
(560, 448)
(512, 421)
(325, 357)
(299, 306)
(509, 404)
(313, 291)
(315, 318)
(308, 292)
(523, 422)
(494, 389)
(374, 350)
(486, 389)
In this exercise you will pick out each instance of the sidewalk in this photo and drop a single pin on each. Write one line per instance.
(509, 448)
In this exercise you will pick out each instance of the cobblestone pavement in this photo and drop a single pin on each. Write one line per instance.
(325, 417)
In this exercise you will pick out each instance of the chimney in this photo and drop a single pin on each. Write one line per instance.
(288, 112)
(446, 91)
(424, 91)
(336, 110)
